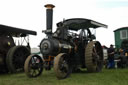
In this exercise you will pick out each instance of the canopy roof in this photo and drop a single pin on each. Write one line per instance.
(81, 23)
(15, 31)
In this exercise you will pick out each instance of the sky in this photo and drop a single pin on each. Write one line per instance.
(31, 15)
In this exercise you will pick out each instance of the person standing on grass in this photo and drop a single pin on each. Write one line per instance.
(111, 51)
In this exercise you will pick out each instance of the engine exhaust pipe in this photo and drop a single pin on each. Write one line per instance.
(49, 17)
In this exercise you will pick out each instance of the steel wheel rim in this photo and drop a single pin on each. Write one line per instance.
(94, 56)
(35, 66)
(63, 65)
(97, 59)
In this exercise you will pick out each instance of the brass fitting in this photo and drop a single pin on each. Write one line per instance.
(49, 6)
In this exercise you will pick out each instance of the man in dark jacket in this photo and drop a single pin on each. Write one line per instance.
(111, 51)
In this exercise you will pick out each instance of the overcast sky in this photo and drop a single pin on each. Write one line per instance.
(31, 14)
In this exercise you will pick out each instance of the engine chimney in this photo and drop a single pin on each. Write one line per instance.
(49, 15)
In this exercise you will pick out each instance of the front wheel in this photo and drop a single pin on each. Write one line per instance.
(61, 66)
(33, 66)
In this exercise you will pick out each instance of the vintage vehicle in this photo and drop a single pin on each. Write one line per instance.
(72, 45)
(12, 56)
(121, 47)
(123, 55)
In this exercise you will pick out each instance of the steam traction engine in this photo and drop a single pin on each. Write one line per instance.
(72, 50)
(12, 56)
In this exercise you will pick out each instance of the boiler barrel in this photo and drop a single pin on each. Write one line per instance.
(53, 47)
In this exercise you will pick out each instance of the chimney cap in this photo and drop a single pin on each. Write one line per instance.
(49, 6)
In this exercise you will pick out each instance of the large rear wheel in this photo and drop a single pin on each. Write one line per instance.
(33, 66)
(94, 56)
(61, 66)
(16, 57)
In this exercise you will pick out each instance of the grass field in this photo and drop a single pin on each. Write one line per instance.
(106, 77)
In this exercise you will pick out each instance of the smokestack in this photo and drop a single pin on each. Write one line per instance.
(49, 15)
